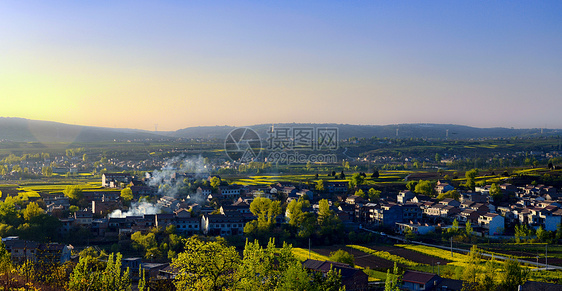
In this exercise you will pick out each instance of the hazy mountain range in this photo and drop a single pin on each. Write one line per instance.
(25, 130)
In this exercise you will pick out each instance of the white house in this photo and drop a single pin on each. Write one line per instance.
(494, 222)
(223, 225)
(416, 228)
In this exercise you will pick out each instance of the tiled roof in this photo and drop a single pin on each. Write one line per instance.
(417, 277)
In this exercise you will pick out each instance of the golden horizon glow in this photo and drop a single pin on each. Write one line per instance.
(192, 64)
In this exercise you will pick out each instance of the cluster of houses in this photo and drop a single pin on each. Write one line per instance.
(537, 206)
(24, 250)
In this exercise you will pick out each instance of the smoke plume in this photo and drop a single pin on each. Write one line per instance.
(137, 209)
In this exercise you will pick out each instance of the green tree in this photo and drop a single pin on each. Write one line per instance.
(360, 193)
(215, 182)
(141, 286)
(47, 171)
(513, 275)
(329, 226)
(521, 231)
(542, 235)
(73, 208)
(113, 278)
(330, 282)
(263, 268)
(496, 193)
(148, 244)
(308, 166)
(454, 194)
(85, 276)
(295, 214)
(454, 227)
(90, 274)
(470, 178)
(8, 212)
(472, 268)
(468, 228)
(73, 192)
(393, 280)
(31, 211)
(342, 256)
(424, 188)
(266, 210)
(374, 195)
(208, 265)
(320, 185)
(295, 278)
(324, 210)
(356, 180)
(5, 265)
(127, 194)
(488, 281)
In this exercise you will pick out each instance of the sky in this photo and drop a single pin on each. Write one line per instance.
(168, 65)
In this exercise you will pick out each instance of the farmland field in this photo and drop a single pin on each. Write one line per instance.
(262, 180)
(378, 263)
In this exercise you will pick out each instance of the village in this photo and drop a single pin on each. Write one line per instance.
(215, 208)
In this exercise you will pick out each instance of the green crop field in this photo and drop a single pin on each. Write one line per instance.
(303, 254)
(387, 256)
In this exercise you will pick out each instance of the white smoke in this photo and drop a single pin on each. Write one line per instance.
(137, 209)
(167, 186)
(198, 198)
(163, 179)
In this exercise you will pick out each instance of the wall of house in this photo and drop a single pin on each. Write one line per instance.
(497, 224)
(551, 222)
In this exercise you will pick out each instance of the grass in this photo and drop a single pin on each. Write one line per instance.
(302, 255)
(530, 250)
(458, 260)
(56, 188)
(264, 180)
(374, 276)
(387, 256)
(527, 171)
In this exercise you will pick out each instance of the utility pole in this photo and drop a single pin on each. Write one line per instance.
(451, 247)
(309, 248)
(537, 261)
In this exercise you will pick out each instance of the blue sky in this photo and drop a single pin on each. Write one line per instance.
(189, 63)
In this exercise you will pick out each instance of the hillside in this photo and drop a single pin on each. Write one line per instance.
(25, 130)
(391, 131)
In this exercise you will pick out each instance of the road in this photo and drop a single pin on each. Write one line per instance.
(540, 266)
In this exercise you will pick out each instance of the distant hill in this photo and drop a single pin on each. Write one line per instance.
(25, 130)
(391, 131)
